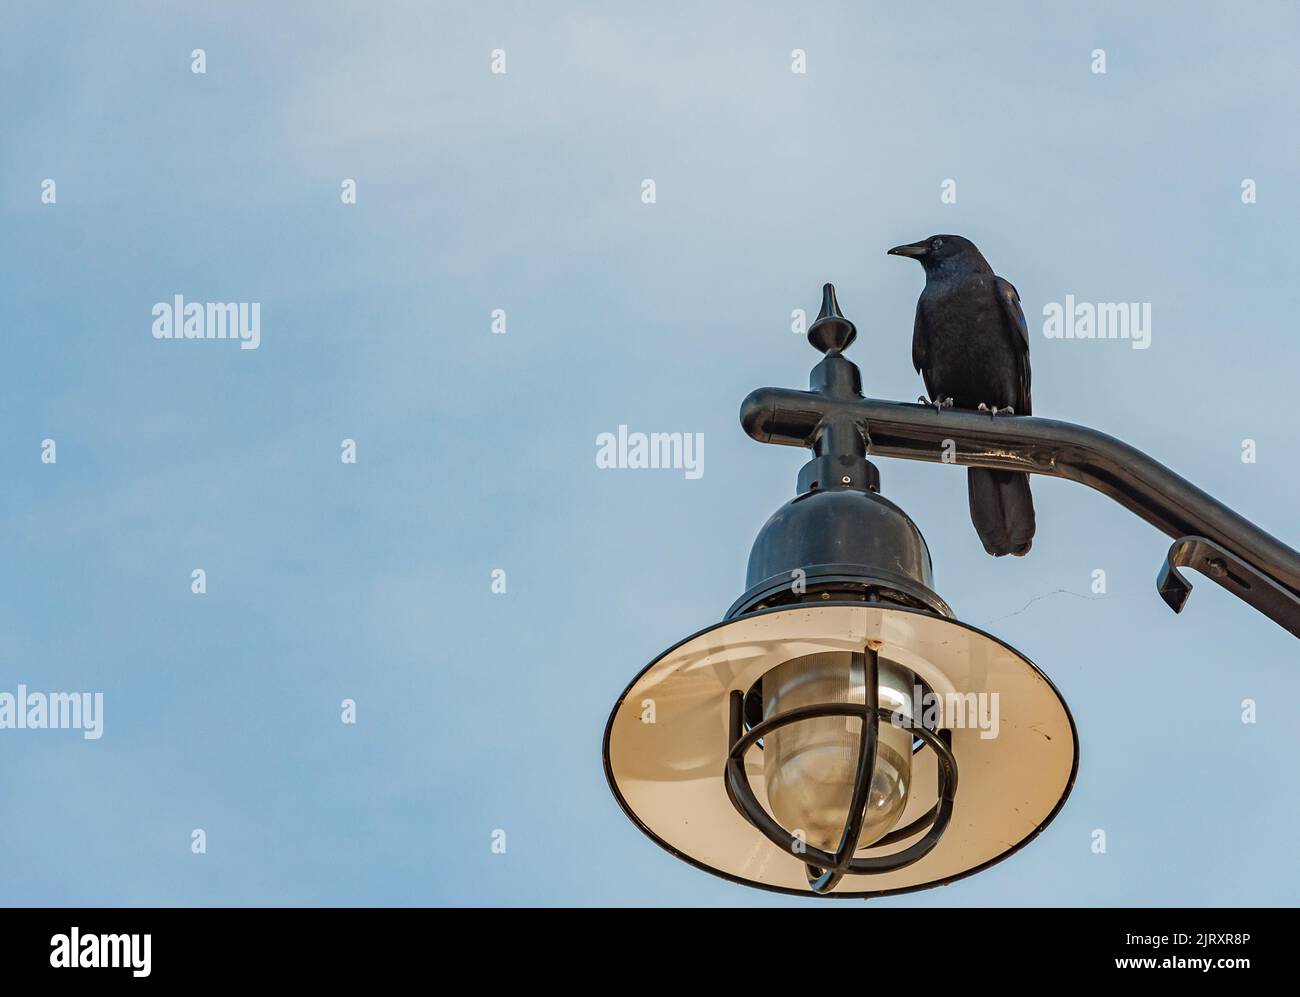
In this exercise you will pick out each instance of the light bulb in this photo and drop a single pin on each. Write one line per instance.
(809, 766)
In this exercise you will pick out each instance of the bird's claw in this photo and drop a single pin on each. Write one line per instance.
(1005, 410)
(939, 404)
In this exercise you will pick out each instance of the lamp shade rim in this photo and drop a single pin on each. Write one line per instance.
(845, 893)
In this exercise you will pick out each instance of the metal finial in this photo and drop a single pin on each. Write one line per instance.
(832, 331)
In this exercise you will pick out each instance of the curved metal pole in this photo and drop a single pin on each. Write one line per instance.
(1250, 563)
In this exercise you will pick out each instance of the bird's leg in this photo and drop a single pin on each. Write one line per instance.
(994, 411)
(939, 403)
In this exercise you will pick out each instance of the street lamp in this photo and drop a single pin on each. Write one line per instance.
(812, 742)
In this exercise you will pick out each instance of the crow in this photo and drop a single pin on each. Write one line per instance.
(970, 344)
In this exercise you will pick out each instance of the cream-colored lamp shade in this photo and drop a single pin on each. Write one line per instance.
(667, 740)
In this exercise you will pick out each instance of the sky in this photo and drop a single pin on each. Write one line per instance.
(479, 711)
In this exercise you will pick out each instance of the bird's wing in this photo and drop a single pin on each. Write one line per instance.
(1010, 299)
(921, 350)
(920, 343)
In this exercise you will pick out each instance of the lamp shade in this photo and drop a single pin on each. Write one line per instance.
(670, 734)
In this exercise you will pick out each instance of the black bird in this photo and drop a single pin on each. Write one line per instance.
(971, 345)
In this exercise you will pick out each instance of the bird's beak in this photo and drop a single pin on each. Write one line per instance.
(911, 249)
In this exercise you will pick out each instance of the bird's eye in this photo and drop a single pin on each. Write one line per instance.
(938, 243)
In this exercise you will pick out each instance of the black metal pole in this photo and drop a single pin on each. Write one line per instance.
(1252, 564)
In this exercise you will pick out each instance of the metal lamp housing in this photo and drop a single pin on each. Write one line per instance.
(839, 540)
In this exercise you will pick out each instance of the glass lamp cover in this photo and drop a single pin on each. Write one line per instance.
(809, 766)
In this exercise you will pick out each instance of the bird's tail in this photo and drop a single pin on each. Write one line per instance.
(1002, 509)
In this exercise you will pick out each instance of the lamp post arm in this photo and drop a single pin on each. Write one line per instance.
(1252, 564)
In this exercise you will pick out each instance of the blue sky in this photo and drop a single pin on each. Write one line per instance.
(477, 451)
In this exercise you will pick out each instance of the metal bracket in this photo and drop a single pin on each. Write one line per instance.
(1241, 579)
(834, 420)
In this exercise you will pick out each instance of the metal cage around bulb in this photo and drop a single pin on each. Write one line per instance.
(825, 869)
